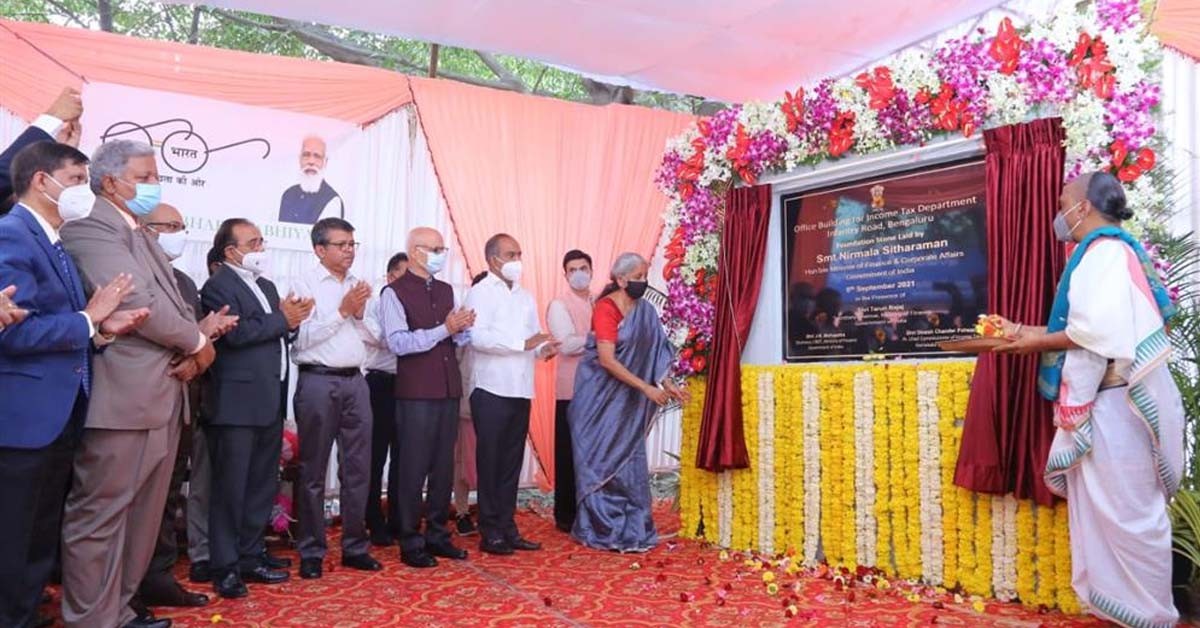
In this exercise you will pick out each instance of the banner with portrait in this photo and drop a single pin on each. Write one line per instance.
(885, 266)
(217, 160)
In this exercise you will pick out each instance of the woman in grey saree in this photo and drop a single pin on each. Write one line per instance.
(621, 382)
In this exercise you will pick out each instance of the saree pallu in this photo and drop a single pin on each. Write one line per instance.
(609, 421)
(1117, 455)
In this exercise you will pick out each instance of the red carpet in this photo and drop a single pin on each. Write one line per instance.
(677, 584)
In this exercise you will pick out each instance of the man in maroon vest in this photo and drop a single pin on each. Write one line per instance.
(422, 325)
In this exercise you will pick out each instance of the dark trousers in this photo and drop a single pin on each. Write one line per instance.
(159, 574)
(332, 408)
(383, 439)
(244, 483)
(427, 430)
(33, 487)
(564, 468)
(501, 425)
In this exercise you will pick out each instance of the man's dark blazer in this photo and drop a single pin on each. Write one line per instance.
(246, 376)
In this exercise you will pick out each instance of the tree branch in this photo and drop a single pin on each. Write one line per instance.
(501, 72)
(67, 13)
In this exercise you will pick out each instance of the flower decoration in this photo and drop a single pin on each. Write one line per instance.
(1091, 64)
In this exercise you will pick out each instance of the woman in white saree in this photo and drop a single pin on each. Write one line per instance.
(1117, 454)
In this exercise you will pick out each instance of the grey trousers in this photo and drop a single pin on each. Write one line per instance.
(112, 518)
(198, 496)
(332, 409)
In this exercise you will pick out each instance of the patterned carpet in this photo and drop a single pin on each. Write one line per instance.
(677, 584)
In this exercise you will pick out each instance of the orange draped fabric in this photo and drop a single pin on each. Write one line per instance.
(38, 60)
(555, 176)
(1177, 24)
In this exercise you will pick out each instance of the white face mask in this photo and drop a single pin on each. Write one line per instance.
(74, 202)
(511, 270)
(580, 280)
(172, 244)
(257, 263)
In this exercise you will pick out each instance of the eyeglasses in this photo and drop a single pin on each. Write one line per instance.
(344, 245)
(173, 226)
(435, 250)
(252, 244)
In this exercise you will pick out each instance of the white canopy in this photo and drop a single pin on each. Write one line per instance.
(728, 50)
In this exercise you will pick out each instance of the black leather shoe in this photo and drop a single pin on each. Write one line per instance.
(447, 550)
(265, 575)
(419, 559)
(310, 568)
(198, 572)
(362, 562)
(148, 622)
(275, 562)
(525, 544)
(499, 547)
(231, 586)
(382, 538)
(170, 594)
(563, 526)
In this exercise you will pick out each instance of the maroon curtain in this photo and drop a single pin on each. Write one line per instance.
(1008, 428)
(740, 268)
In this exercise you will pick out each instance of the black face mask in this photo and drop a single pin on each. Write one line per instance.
(635, 289)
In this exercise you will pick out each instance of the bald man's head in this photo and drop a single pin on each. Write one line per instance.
(425, 243)
(164, 214)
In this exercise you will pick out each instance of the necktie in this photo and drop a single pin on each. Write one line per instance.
(73, 293)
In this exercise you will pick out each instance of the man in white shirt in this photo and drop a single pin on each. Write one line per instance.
(507, 340)
(381, 379)
(569, 317)
(332, 400)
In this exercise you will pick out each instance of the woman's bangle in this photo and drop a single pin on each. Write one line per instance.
(1018, 329)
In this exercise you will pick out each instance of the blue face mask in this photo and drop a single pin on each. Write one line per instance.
(435, 262)
(147, 197)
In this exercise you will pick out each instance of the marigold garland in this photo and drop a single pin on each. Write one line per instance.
(1065, 599)
(789, 461)
(883, 484)
(1047, 580)
(744, 534)
(1026, 576)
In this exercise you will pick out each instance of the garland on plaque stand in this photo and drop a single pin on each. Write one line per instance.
(1093, 64)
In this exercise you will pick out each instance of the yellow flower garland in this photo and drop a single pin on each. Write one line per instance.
(745, 481)
(831, 448)
(1047, 581)
(883, 470)
(1026, 578)
(1065, 599)
(847, 506)
(789, 461)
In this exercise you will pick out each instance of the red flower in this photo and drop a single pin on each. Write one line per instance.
(685, 597)
(878, 85)
(1081, 49)
(1145, 159)
(1006, 47)
(737, 155)
(947, 111)
(841, 136)
(968, 124)
(793, 108)
(1119, 153)
(1129, 174)
(698, 363)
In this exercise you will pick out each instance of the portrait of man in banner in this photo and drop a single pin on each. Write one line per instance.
(312, 198)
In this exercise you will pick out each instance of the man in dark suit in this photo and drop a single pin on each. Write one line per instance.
(249, 388)
(61, 122)
(45, 366)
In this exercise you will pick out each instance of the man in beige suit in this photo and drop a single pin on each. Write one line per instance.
(139, 401)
